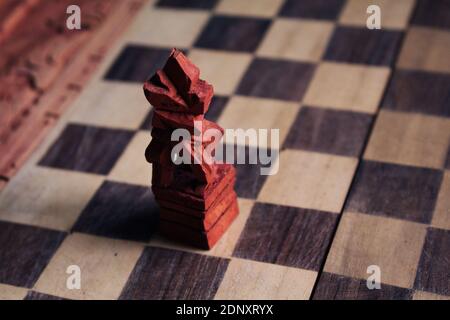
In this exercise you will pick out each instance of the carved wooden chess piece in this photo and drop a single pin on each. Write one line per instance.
(197, 200)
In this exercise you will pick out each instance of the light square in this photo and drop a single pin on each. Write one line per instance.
(132, 167)
(441, 216)
(167, 28)
(310, 180)
(394, 14)
(302, 40)
(264, 8)
(426, 49)
(248, 280)
(222, 69)
(423, 295)
(409, 139)
(111, 104)
(347, 87)
(48, 198)
(363, 240)
(105, 266)
(259, 113)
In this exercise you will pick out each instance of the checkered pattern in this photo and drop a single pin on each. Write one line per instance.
(364, 163)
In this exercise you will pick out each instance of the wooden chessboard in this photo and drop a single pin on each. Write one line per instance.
(364, 174)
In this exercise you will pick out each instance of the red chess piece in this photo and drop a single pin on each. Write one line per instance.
(197, 200)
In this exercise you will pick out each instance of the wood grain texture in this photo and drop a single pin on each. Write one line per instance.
(329, 131)
(392, 190)
(336, 287)
(12, 12)
(347, 87)
(42, 74)
(418, 91)
(363, 240)
(315, 170)
(105, 266)
(272, 114)
(25, 252)
(54, 199)
(167, 274)
(8, 292)
(310, 180)
(426, 49)
(246, 279)
(286, 236)
(87, 149)
(111, 104)
(433, 272)
(302, 40)
(409, 139)
(175, 28)
(434, 13)
(363, 46)
(232, 33)
(396, 14)
(291, 78)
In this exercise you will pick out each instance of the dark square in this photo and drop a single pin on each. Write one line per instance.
(286, 236)
(395, 191)
(433, 272)
(419, 91)
(249, 179)
(277, 79)
(336, 287)
(87, 149)
(434, 13)
(25, 252)
(120, 210)
(233, 33)
(216, 108)
(33, 295)
(329, 131)
(363, 46)
(169, 274)
(312, 9)
(137, 63)
(187, 4)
